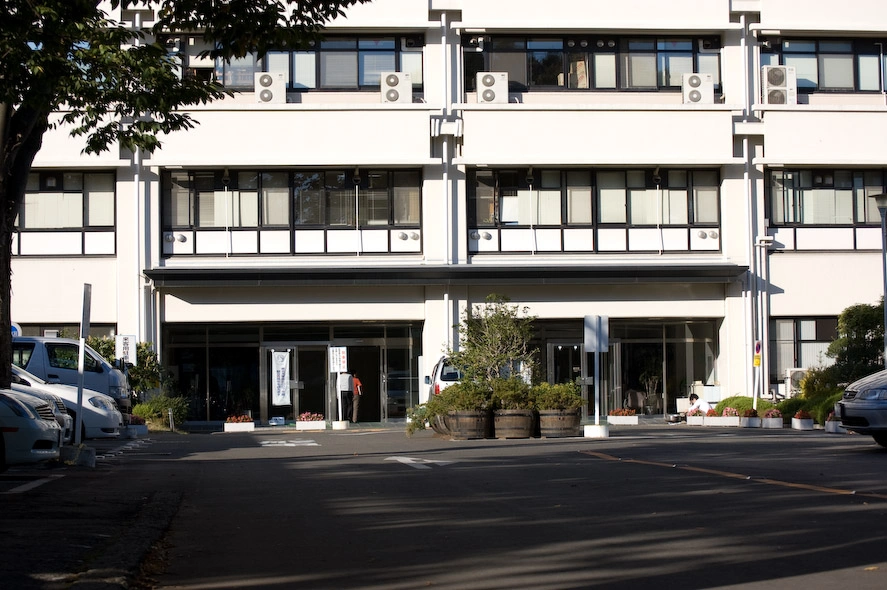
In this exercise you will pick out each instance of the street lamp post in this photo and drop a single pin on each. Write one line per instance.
(881, 201)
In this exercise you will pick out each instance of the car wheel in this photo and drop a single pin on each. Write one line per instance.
(880, 438)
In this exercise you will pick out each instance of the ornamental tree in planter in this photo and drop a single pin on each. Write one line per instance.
(462, 410)
(513, 409)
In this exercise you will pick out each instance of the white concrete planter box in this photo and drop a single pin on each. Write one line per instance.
(753, 422)
(310, 425)
(622, 420)
(722, 420)
(240, 426)
(771, 423)
(695, 420)
(834, 427)
(802, 423)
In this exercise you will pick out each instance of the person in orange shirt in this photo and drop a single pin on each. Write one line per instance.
(357, 392)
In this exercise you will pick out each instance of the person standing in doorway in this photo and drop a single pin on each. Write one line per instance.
(358, 391)
(346, 388)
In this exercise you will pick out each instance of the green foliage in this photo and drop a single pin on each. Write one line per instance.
(494, 340)
(145, 375)
(858, 350)
(742, 403)
(824, 406)
(156, 410)
(511, 394)
(560, 396)
(789, 407)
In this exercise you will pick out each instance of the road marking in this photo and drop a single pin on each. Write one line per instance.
(32, 484)
(731, 475)
(289, 443)
(418, 463)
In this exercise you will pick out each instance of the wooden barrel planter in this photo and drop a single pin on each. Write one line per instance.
(559, 423)
(439, 425)
(468, 424)
(514, 423)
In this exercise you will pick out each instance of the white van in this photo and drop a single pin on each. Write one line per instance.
(442, 376)
(55, 360)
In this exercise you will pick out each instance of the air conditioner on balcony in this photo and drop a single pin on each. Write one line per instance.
(793, 378)
(492, 87)
(698, 88)
(779, 85)
(396, 87)
(270, 87)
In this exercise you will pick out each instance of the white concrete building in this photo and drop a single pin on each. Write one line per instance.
(625, 159)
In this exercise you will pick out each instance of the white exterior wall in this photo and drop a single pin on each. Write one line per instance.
(820, 272)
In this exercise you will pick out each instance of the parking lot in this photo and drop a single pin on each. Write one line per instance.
(371, 508)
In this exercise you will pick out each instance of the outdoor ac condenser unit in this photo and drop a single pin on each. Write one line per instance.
(270, 87)
(779, 85)
(492, 87)
(396, 87)
(793, 378)
(698, 88)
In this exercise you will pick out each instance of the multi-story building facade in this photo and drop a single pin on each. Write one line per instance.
(700, 173)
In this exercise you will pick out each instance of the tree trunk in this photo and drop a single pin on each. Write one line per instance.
(21, 132)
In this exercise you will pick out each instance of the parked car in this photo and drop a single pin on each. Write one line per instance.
(101, 418)
(59, 410)
(863, 407)
(28, 433)
(55, 360)
(442, 376)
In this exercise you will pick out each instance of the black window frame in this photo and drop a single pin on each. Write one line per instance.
(870, 47)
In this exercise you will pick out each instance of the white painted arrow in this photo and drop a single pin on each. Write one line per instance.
(417, 463)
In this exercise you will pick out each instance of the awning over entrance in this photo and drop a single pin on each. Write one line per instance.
(442, 275)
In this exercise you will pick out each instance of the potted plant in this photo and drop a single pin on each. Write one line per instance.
(772, 418)
(559, 408)
(750, 419)
(833, 424)
(462, 411)
(513, 413)
(802, 420)
(239, 423)
(310, 421)
(696, 418)
(728, 417)
(623, 416)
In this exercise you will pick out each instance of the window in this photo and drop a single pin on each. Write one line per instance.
(586, 62)
(800, 342)
(219, 199)
(68, 200)
(824, 197)
(840, 65)
(551, 197)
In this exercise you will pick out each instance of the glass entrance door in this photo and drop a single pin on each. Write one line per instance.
(308, 384)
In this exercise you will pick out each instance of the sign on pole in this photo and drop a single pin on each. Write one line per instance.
(125, 348)
(338, 359)
(280, 369)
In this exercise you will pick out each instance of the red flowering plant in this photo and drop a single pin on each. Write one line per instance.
(773, 413)
(623, 412)
(696, 412)
(239, 418)
(750, 413)
(728, 411)
(310, 417)
(803, 415)
(136, 420)
(712, 412)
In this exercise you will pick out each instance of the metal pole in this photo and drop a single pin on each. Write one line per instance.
(883, 212)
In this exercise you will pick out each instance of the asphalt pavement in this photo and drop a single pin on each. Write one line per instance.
(655, 506)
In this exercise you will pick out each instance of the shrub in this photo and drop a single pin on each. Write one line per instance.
(742, 403)
(511, 394)
(560, 396)
(790, 406)
(156, 410)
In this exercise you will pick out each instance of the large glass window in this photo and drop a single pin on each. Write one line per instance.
(801, 343)
(68, 200)
(824, 197)
(586, 62)
(573, 197)
(319, 198)
(842, 65)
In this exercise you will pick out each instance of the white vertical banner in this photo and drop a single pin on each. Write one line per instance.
(280, 369)
(125, 348)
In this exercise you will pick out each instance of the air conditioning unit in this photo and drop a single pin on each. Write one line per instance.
(492, 87)
(698, 88)
(779, 85)
(270, 87)
(396, 87)
(793, 378)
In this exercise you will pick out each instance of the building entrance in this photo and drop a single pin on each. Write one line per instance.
(308, 383)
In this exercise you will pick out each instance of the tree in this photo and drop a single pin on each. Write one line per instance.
(494, 340)
(858, 350)
(64, 62)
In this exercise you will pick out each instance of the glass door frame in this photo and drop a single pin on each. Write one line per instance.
(265, 406)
